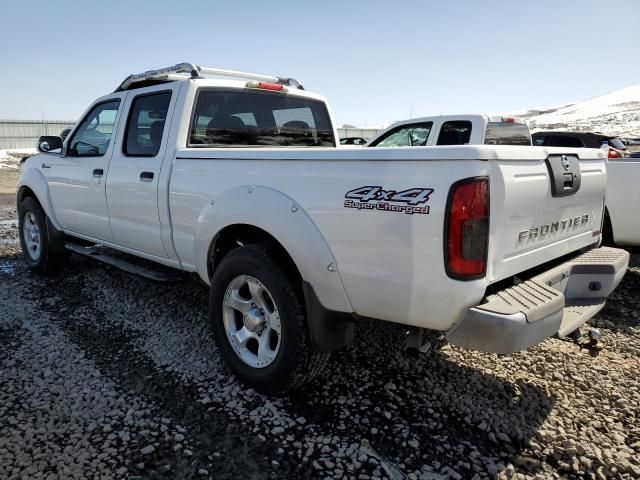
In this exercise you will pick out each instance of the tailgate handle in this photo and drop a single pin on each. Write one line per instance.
(564, 173)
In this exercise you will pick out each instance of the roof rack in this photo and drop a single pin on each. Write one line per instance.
(196, 71)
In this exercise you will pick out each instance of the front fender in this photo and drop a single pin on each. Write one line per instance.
(32, 178)
(285, 220)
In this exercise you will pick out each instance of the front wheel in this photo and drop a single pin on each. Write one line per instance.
(43, 247)
(259, 322)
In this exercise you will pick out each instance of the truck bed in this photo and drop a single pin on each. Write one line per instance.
(398, 256)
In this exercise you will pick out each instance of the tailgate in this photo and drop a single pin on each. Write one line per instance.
(543, 208)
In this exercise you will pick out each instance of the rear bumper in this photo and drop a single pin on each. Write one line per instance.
(555, 302)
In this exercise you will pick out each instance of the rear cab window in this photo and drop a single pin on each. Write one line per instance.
(507, 133)
(413, 135)
(455, 132)
(240, 118)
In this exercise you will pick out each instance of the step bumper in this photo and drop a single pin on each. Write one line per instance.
(555, 302)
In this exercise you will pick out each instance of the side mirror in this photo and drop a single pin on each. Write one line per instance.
(49, 144)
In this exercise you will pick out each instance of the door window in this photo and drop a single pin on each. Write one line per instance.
(94, 133)
(145, 125)
(414, 135)
(457, 132)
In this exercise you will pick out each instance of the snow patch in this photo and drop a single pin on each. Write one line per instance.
(10, 158)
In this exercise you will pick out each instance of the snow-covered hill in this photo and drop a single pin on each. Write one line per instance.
(617, 113)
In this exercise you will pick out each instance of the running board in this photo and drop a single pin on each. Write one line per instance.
(97, 254)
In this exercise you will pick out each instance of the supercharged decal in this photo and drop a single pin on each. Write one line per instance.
(373, 197)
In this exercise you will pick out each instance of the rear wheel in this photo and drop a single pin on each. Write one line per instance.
(259, 322)
(42, 245)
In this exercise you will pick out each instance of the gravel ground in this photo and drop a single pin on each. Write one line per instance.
(106, 375)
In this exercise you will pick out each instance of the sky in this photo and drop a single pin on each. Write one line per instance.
(375, 61)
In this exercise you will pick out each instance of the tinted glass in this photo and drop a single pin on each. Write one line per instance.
(94, 133)
(352, 141)
(562, 141)
(505, 133)
(538, 141)
(456, 132)
(146, 124)
(415, 135)
(241, 118)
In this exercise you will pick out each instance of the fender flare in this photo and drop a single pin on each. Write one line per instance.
(285, 220)
(33, 179)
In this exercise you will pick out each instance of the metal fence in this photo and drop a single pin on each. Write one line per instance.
(25, 133)
(366, 133)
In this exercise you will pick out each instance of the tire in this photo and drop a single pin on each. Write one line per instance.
(42, 245)
(286, 363)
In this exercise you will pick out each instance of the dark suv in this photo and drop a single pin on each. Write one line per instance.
(617, 149)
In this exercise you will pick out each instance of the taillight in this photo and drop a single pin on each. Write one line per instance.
(614, 153)
(467, 229)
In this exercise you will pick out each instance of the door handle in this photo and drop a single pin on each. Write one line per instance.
(146, 176)
(98, 172)
(44, 165)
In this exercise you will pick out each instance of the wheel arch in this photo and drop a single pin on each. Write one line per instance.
(239, 234)
(263, 213)
(33, 184)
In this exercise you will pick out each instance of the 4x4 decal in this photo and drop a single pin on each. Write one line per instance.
(374, 197)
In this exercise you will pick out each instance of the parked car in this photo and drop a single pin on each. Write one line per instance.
(617, 149)
(353, 141)
(298, 239)
(455, 130)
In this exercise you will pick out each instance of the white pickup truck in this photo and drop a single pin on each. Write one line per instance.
(455, 130)
(240, 181)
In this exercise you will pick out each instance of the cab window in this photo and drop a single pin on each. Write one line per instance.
(94, 133)
(507, 133)
(239, 118)
(455, 132)
(414, 135)
(145, 125)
